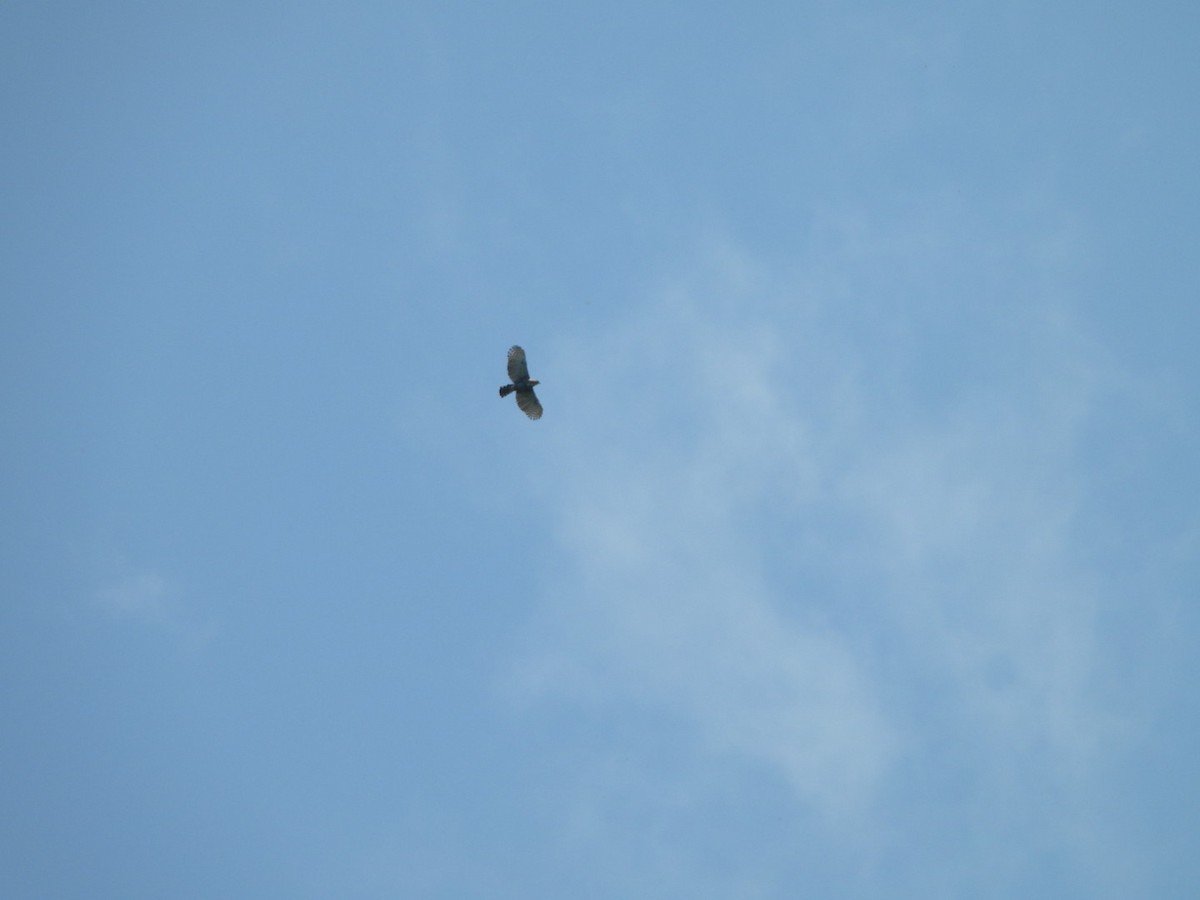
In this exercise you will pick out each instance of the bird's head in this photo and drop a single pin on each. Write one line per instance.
(533, 383)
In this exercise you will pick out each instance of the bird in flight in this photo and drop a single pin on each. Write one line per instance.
(518, 374)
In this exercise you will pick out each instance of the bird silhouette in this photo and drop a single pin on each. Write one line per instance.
(518, 374)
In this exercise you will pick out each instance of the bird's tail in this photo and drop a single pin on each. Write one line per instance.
(507, 389)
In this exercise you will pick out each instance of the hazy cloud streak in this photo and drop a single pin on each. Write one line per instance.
(768, 531)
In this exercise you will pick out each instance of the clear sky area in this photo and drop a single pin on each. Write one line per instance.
(856, 555)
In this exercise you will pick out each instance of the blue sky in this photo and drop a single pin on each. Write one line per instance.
(856, 554)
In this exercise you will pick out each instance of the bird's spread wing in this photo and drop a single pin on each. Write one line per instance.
(528, 402)
(517, 370)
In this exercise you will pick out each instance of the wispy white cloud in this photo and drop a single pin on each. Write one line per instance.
(142, 595)
(830, 568)
(668, 596)
(146, 597)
